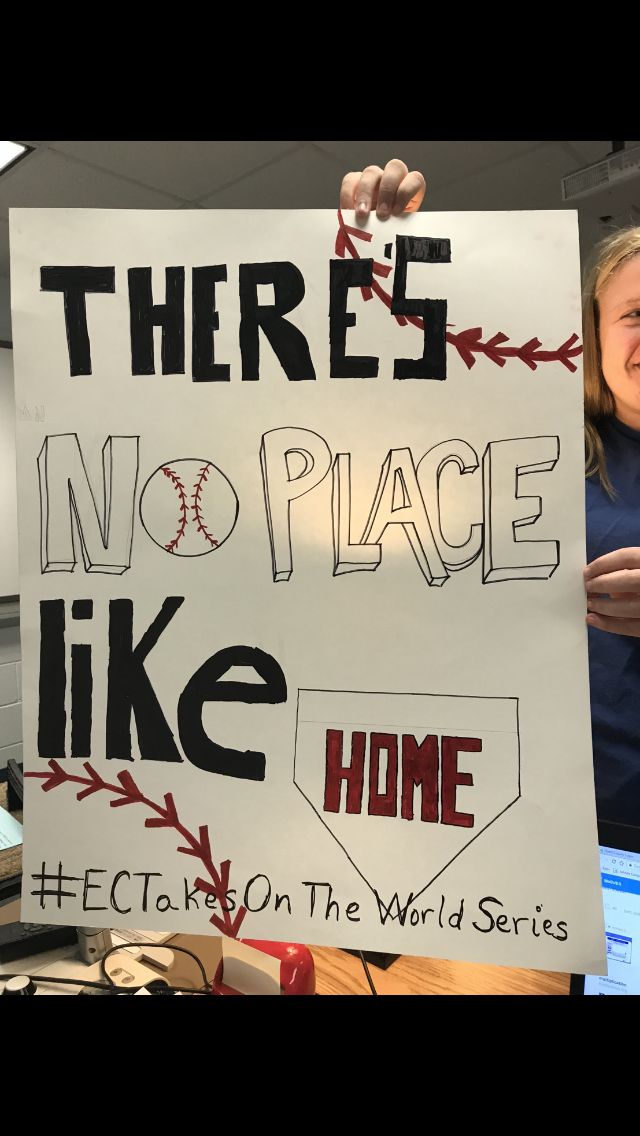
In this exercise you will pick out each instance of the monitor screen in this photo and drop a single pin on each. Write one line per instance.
(620, 874)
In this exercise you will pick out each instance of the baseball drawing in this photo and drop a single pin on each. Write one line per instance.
(188, 507)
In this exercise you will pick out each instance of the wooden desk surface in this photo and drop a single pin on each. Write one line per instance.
(340, 973)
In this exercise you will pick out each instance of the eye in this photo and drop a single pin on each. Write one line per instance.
(632, 315)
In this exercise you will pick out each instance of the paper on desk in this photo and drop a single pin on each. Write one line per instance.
(10, 830)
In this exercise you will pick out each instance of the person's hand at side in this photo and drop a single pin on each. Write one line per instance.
(613, 592)
(390, 191)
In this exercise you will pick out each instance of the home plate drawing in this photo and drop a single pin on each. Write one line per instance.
(434, 771)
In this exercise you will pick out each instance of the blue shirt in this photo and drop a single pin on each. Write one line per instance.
(614, 660)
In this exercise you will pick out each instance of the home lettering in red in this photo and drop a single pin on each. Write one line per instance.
(429, 766)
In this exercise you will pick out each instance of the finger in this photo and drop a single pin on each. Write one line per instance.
(366, 191)
(617, 609)
(348, 190)
(615, 626)
(394, 174)
(613, 562)
(410, 194)
(627, 580)
(611, 595)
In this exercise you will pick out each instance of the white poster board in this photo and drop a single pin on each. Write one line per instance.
(319, 629)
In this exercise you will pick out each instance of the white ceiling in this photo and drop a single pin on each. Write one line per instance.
(285, 175)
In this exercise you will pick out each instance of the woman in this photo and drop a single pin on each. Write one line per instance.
(611, 316)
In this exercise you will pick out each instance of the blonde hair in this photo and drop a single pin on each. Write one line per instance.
(599, 402)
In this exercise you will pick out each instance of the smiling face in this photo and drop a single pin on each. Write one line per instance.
(619, 329)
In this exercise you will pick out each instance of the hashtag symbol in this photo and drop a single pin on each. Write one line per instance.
(57, 890)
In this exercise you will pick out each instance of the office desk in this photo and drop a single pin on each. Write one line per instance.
(341, 973)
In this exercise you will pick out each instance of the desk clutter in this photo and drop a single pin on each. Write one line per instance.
(66, 965)
(89, 960)
(336, 972)
(20, 939)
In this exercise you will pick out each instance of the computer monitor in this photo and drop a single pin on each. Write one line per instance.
(620, 874)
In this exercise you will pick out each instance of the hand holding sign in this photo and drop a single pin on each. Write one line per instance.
(391, 191)
(613, 592)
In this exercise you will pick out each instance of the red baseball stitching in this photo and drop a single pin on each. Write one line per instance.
(167, 817)
(182, 524)
(465, 342)
(197, 485)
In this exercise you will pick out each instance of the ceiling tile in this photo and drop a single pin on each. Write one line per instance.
(188, 170)
(528, 181)
(305, 179)
(48, 180)
(440, 162)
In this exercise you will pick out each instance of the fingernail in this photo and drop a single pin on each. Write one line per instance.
(361, 208)
(383, 209)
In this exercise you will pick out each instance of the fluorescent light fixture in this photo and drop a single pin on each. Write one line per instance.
(10, 153)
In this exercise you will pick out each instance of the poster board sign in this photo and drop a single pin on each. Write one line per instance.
(302, 611)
